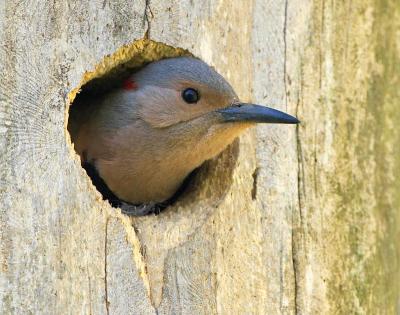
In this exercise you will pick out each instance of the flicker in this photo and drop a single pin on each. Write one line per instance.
(141, 140)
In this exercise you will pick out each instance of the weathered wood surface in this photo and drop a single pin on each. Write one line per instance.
(287, 221)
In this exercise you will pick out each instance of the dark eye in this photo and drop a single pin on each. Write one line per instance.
(190, 96)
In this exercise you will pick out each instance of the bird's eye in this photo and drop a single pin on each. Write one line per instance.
(190, 96)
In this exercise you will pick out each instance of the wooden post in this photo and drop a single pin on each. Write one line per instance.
(287, 220)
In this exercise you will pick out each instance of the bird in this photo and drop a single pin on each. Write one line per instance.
(141, 140)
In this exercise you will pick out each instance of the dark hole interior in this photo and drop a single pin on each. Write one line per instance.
(205, 185)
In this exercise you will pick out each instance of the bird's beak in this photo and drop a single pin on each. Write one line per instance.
(244, 112)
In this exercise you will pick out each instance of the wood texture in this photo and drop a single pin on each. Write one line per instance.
(286, 221)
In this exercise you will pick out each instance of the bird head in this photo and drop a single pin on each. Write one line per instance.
(178, 90)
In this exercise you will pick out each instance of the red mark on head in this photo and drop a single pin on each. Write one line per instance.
(129, 84)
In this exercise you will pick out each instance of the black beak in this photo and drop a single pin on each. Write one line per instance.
(255, 113)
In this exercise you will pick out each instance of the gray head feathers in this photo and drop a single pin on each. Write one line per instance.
(164, 72)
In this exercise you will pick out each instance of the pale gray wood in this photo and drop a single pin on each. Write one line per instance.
(288, 220)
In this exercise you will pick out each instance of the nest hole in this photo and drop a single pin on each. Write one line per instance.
(207, 184)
